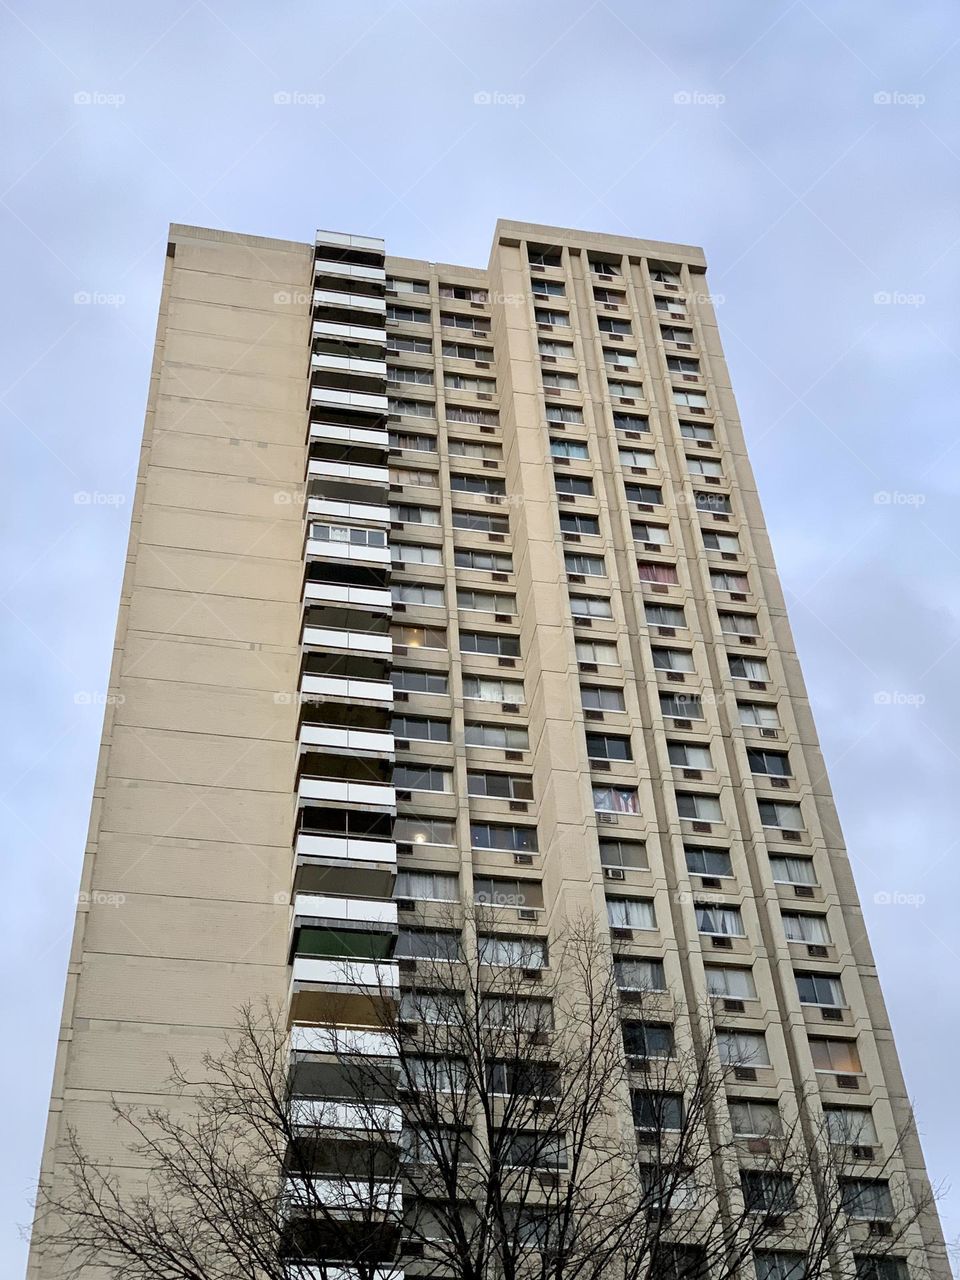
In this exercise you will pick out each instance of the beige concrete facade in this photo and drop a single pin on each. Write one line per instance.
(187, 878)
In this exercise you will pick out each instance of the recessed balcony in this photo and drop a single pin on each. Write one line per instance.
(342, 1041)
(330, 549)
(327, 686)
(347, 247)
(349, 271)
(326, 360)
(359, 642)
(342, 398)
(375, 306)
(336, 989)
(344, 331)
(338, 433)
(362, 742)
(345, 863)
(311, 790)
(329, 472)
(334, 911)
(351, 1197)
(346, 1118)
(332, 508)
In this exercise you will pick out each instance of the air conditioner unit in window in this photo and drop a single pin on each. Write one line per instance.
(677, 677)
(693, 774)
(549, 359)
(601, 766)
(411, 1248)
(758, 1146)
(745, 1073)
(781, 782)
(666, 631)
(794, 836)
(407, 966)
(748, 640)
(858, 1152)
(709, 882)
(703, 827)
(680, 723)
(513, 755)
(510, 708)
(879, 1228)
(409, 1028)
(734, 1006)
(622, 935)
(404, 795)
(481, 364)
(817, 951)
(769, 733)
(401, 695)
(803, 890)
(592, 714)
(614, 873)
(404, 849)
(646, 1138)
(719, 940)
(589, 667)
(523, 859)
(831, 1015)
(533, 975)
(609, 819)
(519, 806)
(773, 1222)
(582, 622)
(848, 1082)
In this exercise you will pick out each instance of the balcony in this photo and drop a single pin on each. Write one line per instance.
(326, 471)
(345, 863)
(324, 549)
(346, 1196)
(340, 433)
(361, 643)
(321, 506)
(364, 742)
(336, 911)
(332, 989)
(344, 331)
(327, 686)
(348, 247)
(375, 306)
(333, 593)
(326, 360)
(366, 401)
(345, 1041)
(312, 790)
(346, 1118)
(349, 270)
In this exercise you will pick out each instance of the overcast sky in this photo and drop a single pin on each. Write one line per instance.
(811, 148)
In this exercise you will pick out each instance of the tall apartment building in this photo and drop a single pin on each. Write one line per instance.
(456, 581)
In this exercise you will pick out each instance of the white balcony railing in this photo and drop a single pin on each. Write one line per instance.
(346, 1117)
(347, 240)
(360, 741)
(368, 512)
(341, 330)
(366, 976)
(349, 435)
(348, 399)
(349, 270)
(320, 548)
(345, 1041)
(342, 1195)
(345, 791)
(359, 642)
(343, 687)
(345, 849)
(350, 911)
(348, 364)
(325, 470)
(336, 593)
(351, 301)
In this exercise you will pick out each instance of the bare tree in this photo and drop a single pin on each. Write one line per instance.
(502, 1118)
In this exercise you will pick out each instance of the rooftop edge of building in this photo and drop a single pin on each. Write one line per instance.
(690, 254)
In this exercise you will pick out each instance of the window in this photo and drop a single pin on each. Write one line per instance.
(880, 1267)
(658, 533)
(609, 324)
(604, 268)
(479, 417)
(739, 624)
(590, 607)
(700, 808)
(436, 1075)
(765, 1192)
(520, 953)
(412, 408)
(413, 553)
(487, 689)
(569, 449)
(499, 786)
(407, 315)
(652, 571)
(773, 764)
(586, 566)
(774, 1265)
(748, 668)
(867, 1198)
(602, 698)
(639, 975)
(585, 526)
(415, 477)
(488, 561)
(612, 356)
(405, 514)
(697, 431)
(501, 646)
(411, 440)
(758, 714)
(800, 926)
(631, 913)
(421, 728)
(712, 502)
(433, 1144)
(431, 1006)
(401, 342)
(499, 736)
(689, 755)
(681, 706)
(650, 495)
(492, 485)
(691, 399)
(648, 1040)
(742, 1048)
(638, 458)
(547, 288)
(839, 1056)
(577, 486)
(751, 1118)
(630, 422)
(490, 891)
(475, 449)
(850, 1125)
(477, 523)
(463, 293)
(820, 989)
(412, 777)
(625, 390)
(655, 1110)
(672, 659)
(417, 593)
(560, 381)
(793, 870)
(704, 861)
(409, 830)
(495, 835)
(400, 373)
(436, 886)
(486, 601)
(665, 615)
(464, 382)
(517, 1013)
(341, 533)
(727, 542)
(722, 581)
(671, 306)
(559, 350)
(610, 297)
(783, 817)
(467, 351)
(616, 800)
(661, 276)
(731, 982)
(721, 922)
(598, 652)
(452, 320)
(670, 333)
(418, 681)
(407, 286)
(419, 638)
(623, 853)
(533, 1149)
(549, 315)
(608, 746)
(683, 364)
(527, 1079)
(427, 944)
(564, 413)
